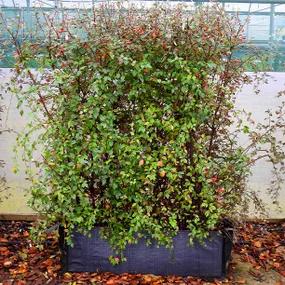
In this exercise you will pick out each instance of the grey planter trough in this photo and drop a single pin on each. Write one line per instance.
(208, 260)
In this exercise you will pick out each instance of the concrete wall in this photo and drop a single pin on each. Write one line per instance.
(246, 99)
(17, 183)
(258, 104)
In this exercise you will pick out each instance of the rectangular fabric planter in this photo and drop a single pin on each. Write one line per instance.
(208, 260)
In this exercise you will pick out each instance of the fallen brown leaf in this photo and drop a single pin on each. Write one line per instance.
(257, 244)
(277, 265)
(7, 263)
(3, 240)
(112, 281)
(48, 262)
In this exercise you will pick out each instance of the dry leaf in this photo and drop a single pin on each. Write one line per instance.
(48, 262)
(3, 240)
(257, 244)
(4, 251)
(112, 281)
(7, 263)
(276, 264)
(67, 276)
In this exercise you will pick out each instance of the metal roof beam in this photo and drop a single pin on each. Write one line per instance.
(228, 1)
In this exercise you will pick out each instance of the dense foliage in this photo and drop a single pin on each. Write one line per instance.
(134, 115)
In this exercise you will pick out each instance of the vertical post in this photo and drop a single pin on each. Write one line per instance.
(247, 23)
(62, 12)
(56, 11)
(28, 16)
(271, 27)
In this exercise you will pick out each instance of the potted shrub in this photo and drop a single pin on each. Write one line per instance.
(134, 114)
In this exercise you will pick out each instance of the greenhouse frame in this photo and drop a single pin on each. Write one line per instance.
(265, 19)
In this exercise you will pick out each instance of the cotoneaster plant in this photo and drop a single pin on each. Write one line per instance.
(133, 114)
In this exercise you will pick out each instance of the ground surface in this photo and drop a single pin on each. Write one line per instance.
(258, 258)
